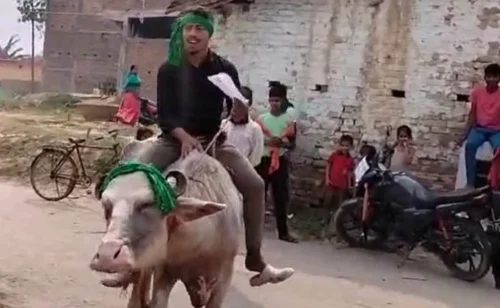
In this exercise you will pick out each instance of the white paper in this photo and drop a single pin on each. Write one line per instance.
(226, 85)
(361, 169)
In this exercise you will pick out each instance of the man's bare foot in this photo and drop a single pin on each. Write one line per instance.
(271, 275)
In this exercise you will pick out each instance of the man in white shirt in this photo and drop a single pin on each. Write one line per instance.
(245, 134)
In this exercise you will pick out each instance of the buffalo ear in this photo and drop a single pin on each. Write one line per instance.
(189, 209)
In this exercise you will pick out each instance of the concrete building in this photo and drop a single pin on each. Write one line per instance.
(353, 66)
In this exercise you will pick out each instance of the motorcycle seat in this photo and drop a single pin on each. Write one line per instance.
(459, 195)
(453, 207)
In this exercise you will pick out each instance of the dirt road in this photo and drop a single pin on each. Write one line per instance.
(46, 247)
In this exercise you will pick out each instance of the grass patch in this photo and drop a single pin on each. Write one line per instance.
(23, 134)
(40, 102)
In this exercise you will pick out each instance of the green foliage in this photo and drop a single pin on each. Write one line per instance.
(10, 49)
(33, 10)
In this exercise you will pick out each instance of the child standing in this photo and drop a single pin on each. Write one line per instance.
(403, 150)
(338, 175)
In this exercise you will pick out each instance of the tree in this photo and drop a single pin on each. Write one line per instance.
(34, 12)
(9, 50)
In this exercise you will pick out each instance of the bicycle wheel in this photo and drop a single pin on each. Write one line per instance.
(61, 174)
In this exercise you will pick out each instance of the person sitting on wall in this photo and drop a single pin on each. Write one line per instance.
(130, 106)
(483, 123)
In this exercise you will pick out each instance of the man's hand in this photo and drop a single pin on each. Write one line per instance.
(327, 182)
(461, 140)
(276, 141)
(189, 143)
(273, 142)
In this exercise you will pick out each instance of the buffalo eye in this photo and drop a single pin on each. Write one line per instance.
(141, 208)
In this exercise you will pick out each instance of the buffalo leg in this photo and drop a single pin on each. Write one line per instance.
(219, 292)
(162, 287)
(140, 291)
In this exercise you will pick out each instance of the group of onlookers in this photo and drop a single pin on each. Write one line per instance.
(190, 108)
(265, 140)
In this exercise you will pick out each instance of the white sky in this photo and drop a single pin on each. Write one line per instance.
(9, 26)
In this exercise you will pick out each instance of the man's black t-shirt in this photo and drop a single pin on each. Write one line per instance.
(187, 99)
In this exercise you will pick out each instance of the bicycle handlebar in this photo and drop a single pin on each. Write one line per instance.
(113, 133)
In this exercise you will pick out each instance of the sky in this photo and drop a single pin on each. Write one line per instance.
(9, 26)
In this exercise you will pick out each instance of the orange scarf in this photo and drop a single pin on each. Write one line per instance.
(274, 151)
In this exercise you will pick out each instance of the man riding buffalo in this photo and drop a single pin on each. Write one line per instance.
(189, 110)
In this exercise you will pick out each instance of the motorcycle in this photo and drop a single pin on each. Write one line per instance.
(395, 207)
(148, 112)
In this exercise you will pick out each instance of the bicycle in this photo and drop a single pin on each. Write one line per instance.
(63, 167)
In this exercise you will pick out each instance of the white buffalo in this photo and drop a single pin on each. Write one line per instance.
(196, 243)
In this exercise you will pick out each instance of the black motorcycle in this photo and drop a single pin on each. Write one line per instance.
(148, 112)
(396, 209)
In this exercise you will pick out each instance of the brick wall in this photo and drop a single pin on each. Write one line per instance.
(81, 48)
(362, 50)
(19, 70)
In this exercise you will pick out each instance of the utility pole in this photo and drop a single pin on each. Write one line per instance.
(32, 52)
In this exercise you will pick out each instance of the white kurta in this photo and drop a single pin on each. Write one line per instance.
(247, 138)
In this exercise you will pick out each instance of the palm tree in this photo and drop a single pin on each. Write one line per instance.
(9, 50)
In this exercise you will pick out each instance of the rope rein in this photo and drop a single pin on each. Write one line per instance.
(164, 193)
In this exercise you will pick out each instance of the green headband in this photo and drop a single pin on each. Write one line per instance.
(164, 194)
(176, 45)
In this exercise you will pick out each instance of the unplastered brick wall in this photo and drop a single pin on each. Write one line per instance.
(136, 49)
(353, 66)
(81, 47)
(388, 62)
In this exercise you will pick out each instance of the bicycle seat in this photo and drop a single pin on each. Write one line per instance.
(76, 141)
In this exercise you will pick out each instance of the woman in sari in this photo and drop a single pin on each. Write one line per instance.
(130, 106)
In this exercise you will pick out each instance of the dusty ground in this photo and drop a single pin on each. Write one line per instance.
(46, 248)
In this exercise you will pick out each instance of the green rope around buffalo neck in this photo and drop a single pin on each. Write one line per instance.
(176, 45)
(164, 194)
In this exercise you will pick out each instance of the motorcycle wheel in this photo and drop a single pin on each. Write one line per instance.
(351, 210)
(475, 239)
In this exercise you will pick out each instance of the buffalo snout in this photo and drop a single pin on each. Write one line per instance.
(112, 256)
